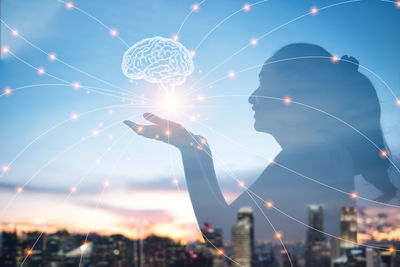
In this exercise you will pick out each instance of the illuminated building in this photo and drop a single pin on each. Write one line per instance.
(348, 228)
(243, 237)
(8, 253)
(213, 239)
(317, 250)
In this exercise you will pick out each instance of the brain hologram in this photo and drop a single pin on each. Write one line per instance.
(158, 60)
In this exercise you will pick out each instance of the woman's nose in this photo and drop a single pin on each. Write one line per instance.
(253, 97)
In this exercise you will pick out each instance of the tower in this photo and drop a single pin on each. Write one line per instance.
(243, 237)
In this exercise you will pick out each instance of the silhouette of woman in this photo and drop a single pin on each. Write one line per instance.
(313, 144)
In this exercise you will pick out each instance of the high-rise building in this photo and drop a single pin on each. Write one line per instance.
(348, 228)
(8, 253)
(317, 249)
(214, 244)
(243, 237)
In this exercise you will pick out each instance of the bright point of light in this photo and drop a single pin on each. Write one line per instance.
(5, 49)
(167, 132)
(84, 246)
(19, 189)
(76, 85)
(314, 10)
(113, 32)
(269, 204)
(52, 57)
(175, 37)
(398, 102)
(199, 147)
(271, 161)
(69, 5)
(195, 7)
(193, 53)
(175, 181)
(391, 249)
(246, 7)
(74, 116)
(106, 184)
(231, 74)
(203, 141)
(95, 132)
(334, 59)
(287, 100)
(157, 136)
(241, 183)
(5, 168)
(384, 153)
(29, 252)
(139, 129)
(278, 235)
(398, 3)
(353, 195)
(73, 189)
(7, 91)
(14, 32)
(41, 71)
(220, 252)
(253, 41)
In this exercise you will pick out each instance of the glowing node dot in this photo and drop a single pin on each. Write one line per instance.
(175, 37)
(193, 53)
(220, 252)
(5, 49)
(246, 7)
(76, 85)
(113, 32)
(278, 235)
(353, 195)
(7, 91)
(106, 184)
(73, 189)
(69, 5)
(253, 41)
(287, 100)
(271, 161)
(203, 141)
(199, 147)
(334, 59)
(74, 116)
(95, 132)
(167, 132)
(241, 183)
(398, 102)
(391, 249)
(139, 129)
(5, 168)
(19, 189)
(52, 57)
(314, 10)
(195, 7)
(14, 32)
(384, 153)
(84, 246)
(269, 204)
(175, 181)
(41, 71)
(398, 4)
(29, 252)
(231, 74)
(157, 136)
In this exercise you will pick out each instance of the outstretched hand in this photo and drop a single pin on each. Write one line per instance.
(167, 131)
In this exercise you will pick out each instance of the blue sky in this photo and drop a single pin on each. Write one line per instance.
(367, 30)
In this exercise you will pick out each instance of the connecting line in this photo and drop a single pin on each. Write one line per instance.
(104, 186)
(97, 20)
(224, 20)
(81, 179)
(63, 62)
(304, 176)
(297, 58)
(55, 127)
(230, 173)
(270, 223)
(266, 34)
(186, 18)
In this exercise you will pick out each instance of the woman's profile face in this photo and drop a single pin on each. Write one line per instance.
(271, 103)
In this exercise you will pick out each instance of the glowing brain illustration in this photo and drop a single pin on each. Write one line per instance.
(158, 60)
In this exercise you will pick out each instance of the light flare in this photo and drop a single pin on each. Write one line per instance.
(287, 100)
(52, 56)
(69, 5)
(175, 37)
(334, 59)
(41, 71)
(314, 10)
(114, 32)
(384, 153)
(7, 91)
(231, 74)
(5, 168)
(246, 7)
(74, 116)
(19, 189)
(353, 195)
(253, 41)
(195, 7)
(278, 235)
(269, 204)
(14, 32)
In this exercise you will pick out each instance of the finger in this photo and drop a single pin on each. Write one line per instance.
(137, 128)
(155, 119)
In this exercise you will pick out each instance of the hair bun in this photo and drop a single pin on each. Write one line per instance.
(349, 62)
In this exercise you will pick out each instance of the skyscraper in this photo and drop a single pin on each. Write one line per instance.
(348, 228)
(317, 250)
(243, 237)
(214, 244)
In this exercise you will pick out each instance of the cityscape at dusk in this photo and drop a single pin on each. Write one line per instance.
(205, 133)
